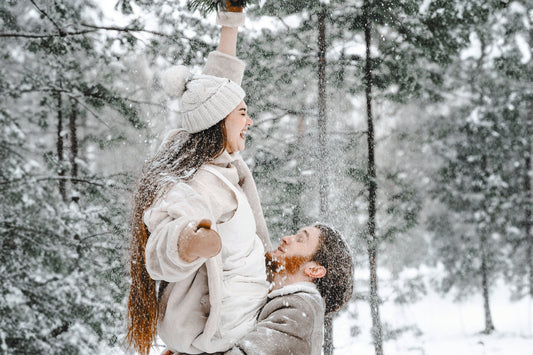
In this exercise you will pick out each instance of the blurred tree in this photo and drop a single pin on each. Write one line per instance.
(62, 221)
(406, 45)
(484, 177)
(514, 70)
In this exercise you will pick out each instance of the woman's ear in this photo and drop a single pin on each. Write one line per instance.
(315, 270)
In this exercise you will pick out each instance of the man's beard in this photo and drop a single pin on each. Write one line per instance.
(284, 264)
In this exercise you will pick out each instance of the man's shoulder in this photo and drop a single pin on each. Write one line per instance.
(300, 289)
(299, 296)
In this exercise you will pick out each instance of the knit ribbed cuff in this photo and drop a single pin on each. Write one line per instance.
(230, 19)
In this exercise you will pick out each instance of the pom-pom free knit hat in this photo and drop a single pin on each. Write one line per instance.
(204, 100)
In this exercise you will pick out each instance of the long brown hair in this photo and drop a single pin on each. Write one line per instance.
(178, 159)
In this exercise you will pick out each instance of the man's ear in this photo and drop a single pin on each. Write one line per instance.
(315, 270)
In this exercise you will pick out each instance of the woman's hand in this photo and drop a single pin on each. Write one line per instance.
(234, 6)
(197, 241)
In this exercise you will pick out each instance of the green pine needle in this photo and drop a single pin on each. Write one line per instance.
(208, 6)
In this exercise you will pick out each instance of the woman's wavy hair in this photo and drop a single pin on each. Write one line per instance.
(178, 159)
(333, 253)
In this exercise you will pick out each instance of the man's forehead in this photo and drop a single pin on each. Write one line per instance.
(310, 231)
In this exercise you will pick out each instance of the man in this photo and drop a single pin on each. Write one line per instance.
(312, 275)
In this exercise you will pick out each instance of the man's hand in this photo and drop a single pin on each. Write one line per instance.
(197, 241)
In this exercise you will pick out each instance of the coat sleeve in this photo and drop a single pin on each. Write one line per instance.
(224, 66)
(285, 327)
(165, 220)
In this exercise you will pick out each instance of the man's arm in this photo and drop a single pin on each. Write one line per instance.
(286, 326)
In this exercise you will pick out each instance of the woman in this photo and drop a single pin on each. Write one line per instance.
(198, 227)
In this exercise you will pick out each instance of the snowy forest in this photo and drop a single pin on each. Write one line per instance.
(405, 124)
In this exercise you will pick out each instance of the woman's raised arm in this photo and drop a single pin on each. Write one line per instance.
(223, 62)
(228, 40)
(230, 20)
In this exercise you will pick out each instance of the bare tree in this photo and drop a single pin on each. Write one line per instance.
(372, 242)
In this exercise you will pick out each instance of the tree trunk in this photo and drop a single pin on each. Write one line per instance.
(322, 119)
(328, 335)
(300, 143)
(489, 326)
(59, 147)
(529, 156)
(377, 332)
(322, 149)
(73, 129)
(529, 196)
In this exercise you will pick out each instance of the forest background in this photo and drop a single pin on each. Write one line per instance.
(405, 124)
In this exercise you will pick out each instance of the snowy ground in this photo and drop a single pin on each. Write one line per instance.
(439, 326)
(445, 327)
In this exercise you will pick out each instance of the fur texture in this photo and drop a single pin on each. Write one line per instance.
(174, 80)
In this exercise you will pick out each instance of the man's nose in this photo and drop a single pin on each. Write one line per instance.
(287, 239)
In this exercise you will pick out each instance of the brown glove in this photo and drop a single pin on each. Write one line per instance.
(197, 241)
(234, 5)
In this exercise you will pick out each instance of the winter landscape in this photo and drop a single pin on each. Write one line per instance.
(407, 125)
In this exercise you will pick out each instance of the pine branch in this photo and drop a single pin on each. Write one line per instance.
(61, 31)
(126, 29)
(95, 182)
(304, 43)
(207, 6)
(93, 29)
(149, 103)
(82, 104)
(43, 35)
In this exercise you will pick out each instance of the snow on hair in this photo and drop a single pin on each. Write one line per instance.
(175, 79)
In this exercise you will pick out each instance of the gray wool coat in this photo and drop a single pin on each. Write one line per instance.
(291, 322)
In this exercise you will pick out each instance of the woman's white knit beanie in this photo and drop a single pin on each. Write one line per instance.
(204, 100)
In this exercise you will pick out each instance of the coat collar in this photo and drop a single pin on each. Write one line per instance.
(224, 159)
(304, 286)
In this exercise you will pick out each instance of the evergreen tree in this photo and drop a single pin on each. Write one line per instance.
(514, 68)
(482, 181)
(61, 221)
(403, 68)
(406, 45)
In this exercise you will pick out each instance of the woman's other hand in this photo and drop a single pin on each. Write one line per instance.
(199, 240)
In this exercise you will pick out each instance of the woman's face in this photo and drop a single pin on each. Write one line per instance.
(237, 124)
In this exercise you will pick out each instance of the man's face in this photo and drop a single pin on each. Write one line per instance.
(295, 250)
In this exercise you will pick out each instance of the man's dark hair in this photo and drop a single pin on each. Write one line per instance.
(336, 287)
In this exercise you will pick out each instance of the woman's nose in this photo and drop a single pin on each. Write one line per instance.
(249, 121)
